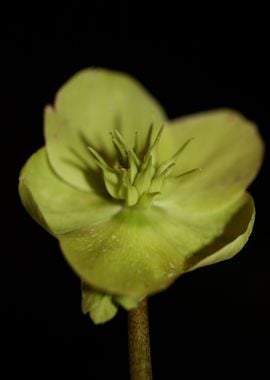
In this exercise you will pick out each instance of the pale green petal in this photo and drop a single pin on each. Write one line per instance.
(126, 302)
(102, 307)
(57, 206)
(227, 148)
(139, 252)
(31, 205)
(70, 159)
(235, 236)
(99, 305)
(89, 106)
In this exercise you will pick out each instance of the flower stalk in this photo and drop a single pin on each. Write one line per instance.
(139, 343)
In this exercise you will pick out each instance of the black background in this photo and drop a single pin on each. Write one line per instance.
(210, 323)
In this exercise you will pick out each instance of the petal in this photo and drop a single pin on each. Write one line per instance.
(231, 242)
(89, 106)
(99, 305)
(102, 307)
(228, 149)
(55, 205)
(139, 252)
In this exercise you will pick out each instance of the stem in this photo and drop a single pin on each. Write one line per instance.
(139, 343)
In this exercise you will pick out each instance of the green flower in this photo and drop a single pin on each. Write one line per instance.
(136, 200)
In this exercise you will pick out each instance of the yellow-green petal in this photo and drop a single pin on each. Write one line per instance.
(226, 147)
(139, 252)
(69, 158)
(87, 108)
(55, 205)
(126, 302)
(99, 305)
(235, 236)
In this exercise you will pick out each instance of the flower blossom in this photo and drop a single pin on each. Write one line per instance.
(134, 199)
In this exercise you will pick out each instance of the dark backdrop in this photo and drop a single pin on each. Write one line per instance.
(211, 322)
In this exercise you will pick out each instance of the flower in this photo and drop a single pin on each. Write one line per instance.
(136, 200)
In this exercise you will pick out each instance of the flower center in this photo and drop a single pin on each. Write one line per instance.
(135, 177)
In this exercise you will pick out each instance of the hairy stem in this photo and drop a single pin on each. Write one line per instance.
(139, 343)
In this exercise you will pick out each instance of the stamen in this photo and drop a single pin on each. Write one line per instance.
(111, 182)
(99, 159)
(165, 166)
(135, 180)
(132, 196)
(133, 167)
(149, 137)
(120, 140)
(155, 143)
(144, 177)
(119, 148)
(181, 149)
(135, 157)
(158, 180)
(136, 143)
(174, 157)
(187, 173)
(147, 198)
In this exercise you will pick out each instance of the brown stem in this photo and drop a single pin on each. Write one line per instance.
(139, 343)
